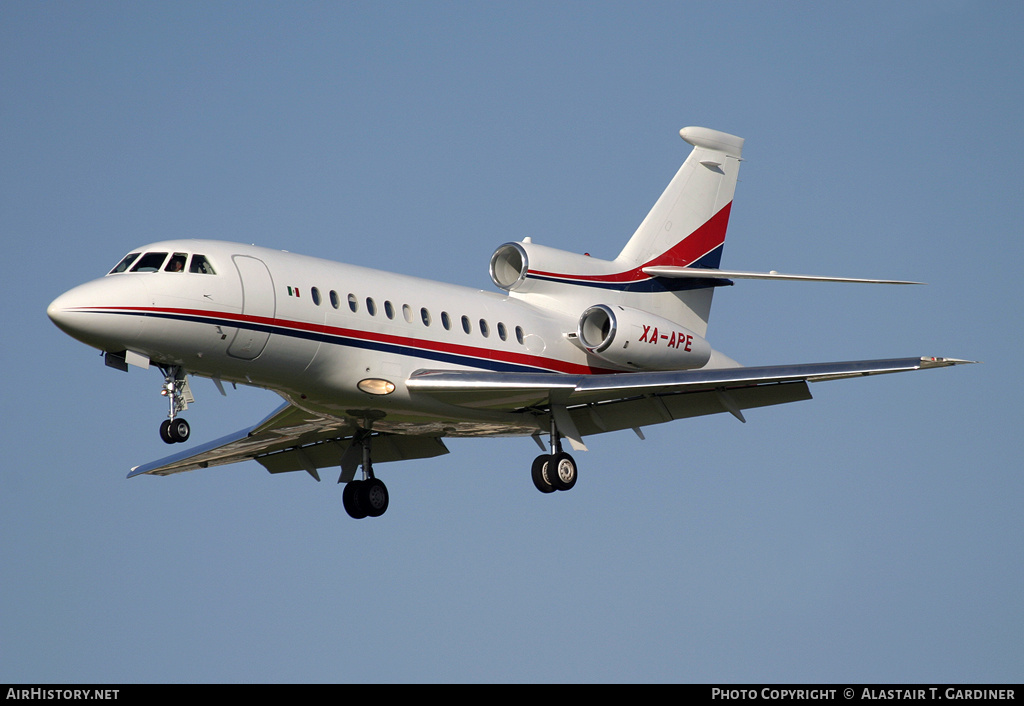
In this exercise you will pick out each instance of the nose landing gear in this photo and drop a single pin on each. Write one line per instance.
(175, 430)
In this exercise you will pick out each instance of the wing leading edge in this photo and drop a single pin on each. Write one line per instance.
(585, 389)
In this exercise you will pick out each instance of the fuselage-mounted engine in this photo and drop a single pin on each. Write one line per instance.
(639, 340)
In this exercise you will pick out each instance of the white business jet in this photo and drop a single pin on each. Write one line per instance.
(377, 367)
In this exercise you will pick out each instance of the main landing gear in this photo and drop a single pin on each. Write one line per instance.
(175, 430)
(367, 497)
(556, 470)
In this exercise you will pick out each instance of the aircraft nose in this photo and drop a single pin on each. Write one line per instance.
(88, 313)
(61, 313)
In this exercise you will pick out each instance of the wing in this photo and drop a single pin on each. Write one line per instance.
(592, 404)
(292, 439)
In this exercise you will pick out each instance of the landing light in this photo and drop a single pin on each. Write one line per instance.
(376, 386)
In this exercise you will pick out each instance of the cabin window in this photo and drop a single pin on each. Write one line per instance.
(150, 262)
(371, 307)
(316, 296)
(466, 326)
(389, 309)
(177, 262)
(353, 303)
(125, 263)
(502, 331)
(446, 321)
(519, 333)
(200, 265)
(425, 316)
(335, 300)
(407, 313)
(485, 330)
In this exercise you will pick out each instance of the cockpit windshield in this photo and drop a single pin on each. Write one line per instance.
(155, 262)
(150, 262)
(201, 265)
(125, 263)
(177, 262)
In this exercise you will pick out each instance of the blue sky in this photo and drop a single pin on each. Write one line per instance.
(873, 534)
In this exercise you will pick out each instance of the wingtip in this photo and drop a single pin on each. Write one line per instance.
(936, 362)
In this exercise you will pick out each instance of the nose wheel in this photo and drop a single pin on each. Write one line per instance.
(174, 429)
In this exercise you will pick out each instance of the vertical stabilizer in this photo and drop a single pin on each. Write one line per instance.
(687, 224)
(686, 227)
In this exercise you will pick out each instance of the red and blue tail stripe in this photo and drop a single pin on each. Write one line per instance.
(700, 249)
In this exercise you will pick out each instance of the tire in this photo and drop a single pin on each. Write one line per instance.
(165, 431)
(373, 497)
(350, 499)
(562, 471)
(539, 475)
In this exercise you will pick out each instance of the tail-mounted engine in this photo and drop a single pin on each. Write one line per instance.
(639, 340)
(528, 267)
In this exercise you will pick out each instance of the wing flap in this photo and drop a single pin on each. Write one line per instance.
(656, 409)
(387, 447)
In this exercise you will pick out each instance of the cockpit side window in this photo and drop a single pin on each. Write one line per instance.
(201, 265)
(177, 262)
(125, 263)
(150, 262)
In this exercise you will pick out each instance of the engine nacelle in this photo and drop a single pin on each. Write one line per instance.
(529, 267)
(639, 340)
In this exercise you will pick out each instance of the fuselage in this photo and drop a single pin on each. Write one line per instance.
(313, 329)
(342, 340)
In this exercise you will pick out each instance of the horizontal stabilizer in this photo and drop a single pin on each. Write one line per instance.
(673, 272)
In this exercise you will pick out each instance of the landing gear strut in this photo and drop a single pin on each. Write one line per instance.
(367, 497)
(554, 471)
(175, 430)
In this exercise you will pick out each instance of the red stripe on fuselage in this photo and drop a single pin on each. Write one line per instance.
(500, 356)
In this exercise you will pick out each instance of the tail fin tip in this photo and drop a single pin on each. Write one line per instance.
(713, 140)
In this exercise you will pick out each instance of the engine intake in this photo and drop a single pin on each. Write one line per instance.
(637, 339)
(529, 267)
(509, 265)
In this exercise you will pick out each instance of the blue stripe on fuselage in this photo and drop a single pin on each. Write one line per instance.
(349, 341)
